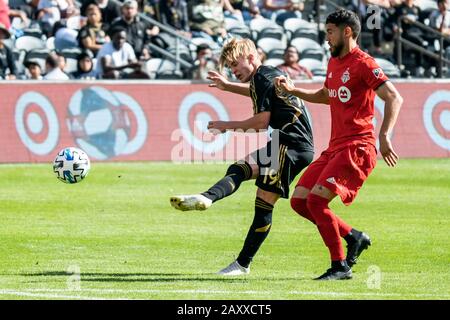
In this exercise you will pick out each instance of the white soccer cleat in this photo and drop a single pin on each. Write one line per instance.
(234, 269)
(190, 202)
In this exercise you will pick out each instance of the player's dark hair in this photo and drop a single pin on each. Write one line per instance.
(345, 18)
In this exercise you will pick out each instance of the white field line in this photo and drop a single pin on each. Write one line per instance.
(69, 294)
(29, 293)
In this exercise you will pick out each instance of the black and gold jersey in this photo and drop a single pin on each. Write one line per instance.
(287, 113)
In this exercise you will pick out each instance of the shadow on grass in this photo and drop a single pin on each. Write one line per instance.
(155, 277)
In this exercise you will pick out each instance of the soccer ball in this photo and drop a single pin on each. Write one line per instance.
(71, 165)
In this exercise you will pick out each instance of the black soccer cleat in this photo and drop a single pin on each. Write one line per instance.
(336, 274)
(356, 248)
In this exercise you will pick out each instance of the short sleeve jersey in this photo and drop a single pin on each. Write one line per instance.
(351, 82)
(287, 112)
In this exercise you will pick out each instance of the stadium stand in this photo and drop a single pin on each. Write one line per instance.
(176, 45)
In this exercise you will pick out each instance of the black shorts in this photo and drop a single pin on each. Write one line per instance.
(278, 167)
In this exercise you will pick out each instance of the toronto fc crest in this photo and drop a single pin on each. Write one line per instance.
(345, 76)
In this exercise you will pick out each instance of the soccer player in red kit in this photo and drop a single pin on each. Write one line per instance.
(352, 80)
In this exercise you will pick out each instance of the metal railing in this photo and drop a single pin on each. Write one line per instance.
(173, 32)
(439, 57)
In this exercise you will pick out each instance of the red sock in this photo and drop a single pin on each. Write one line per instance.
(299, 206)
(327, 225)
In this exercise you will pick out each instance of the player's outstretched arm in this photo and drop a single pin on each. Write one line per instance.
(393, 102)
(222, 83)
(257, 122)
(313, 95)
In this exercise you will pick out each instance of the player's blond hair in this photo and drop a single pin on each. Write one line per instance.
(235, 48)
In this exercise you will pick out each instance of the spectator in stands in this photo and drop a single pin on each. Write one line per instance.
(62, 62)
(85, 67)
(7, 67)
(204, 62)
(65, 38)
(368, 18)
(410, 32)
(262, 55)
(23, 6)
(48, 14)
(34, 71)
(52, 69)
(67, 8)
(94, 34)
(440, 19)
(207, 19)
(4, 14)
(247, 9)
(116, 56)
(16, 13)
(139, 31)
(292, 67)
(281, 10)
(109, 9)
(174, 13)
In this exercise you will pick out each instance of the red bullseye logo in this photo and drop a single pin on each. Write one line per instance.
(196, 110)
(436, 117)
(36, 123)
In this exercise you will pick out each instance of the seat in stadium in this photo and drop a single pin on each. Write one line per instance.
(276, 54)
(152, 66)
(269, 44)
(293, 25)
(50, 43)
(231, 23)
(275, 33)
(303, 44)
(274, 62)
(317, 67)
(260, 24)
(33, 32)
(167, 70)
(242, 32)
(28, 43)
(313, 54)
(183, 52)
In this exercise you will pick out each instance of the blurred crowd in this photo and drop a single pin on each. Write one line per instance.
(108, 39)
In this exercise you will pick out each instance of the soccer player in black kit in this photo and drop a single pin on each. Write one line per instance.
(276, 165)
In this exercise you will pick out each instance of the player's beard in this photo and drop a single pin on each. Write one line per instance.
(337, 49)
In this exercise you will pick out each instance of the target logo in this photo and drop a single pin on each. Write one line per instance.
(436, 117)
(196, 110)
(36, 123)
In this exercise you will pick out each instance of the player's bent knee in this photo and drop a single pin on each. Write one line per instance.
(300, 192)
(323, 192)
(267, 196)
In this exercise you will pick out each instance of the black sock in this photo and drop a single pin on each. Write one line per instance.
(340, 265)
(258, 232)
(352, 236)
(236, 173)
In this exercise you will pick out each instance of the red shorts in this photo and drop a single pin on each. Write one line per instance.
(343, 171)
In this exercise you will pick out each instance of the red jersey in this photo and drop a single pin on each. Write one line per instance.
(351, 82)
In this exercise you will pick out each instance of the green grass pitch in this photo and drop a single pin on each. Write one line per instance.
(115, 236)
